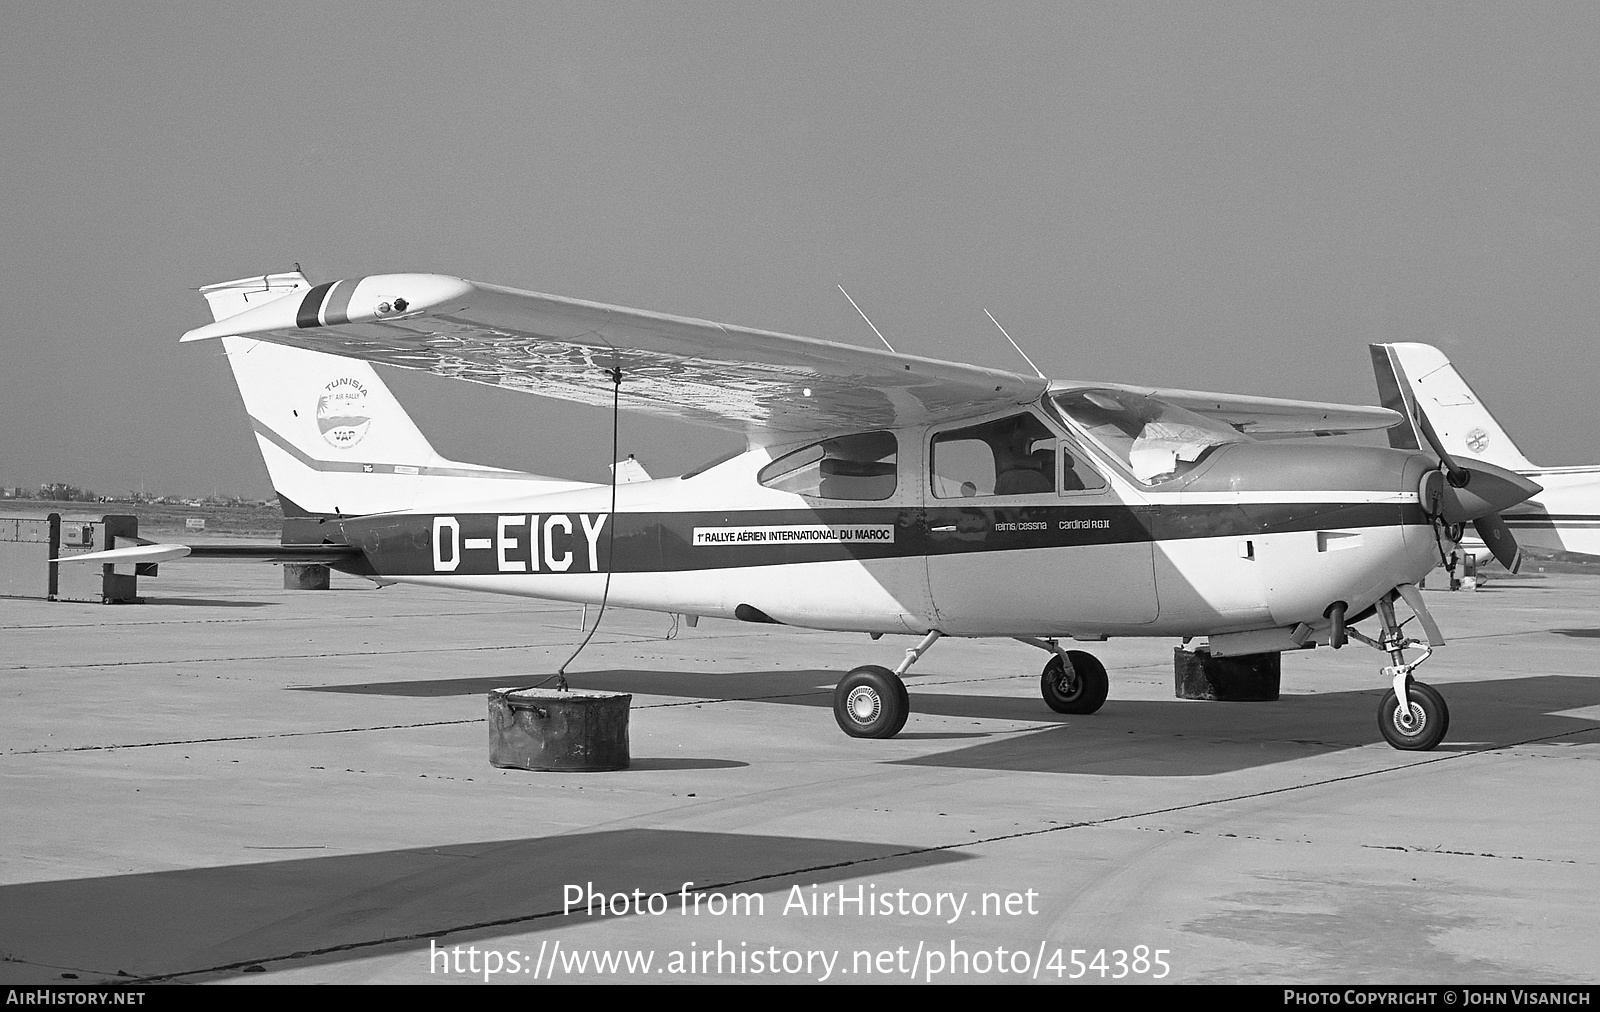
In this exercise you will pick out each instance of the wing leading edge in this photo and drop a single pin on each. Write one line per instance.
(773, 387)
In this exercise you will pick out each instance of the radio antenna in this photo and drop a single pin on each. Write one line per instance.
(875, 330)
(1016, 346)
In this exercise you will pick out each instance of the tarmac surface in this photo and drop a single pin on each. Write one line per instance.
(239, 783)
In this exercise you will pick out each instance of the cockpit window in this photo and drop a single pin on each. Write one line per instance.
(1008, 456)
(1157, 441)
(861, 466)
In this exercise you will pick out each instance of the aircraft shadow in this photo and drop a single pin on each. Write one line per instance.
(1162, 738)
(682, 763)
(683, 684)
(291, 913)
(1191, 738)
(1588, 634)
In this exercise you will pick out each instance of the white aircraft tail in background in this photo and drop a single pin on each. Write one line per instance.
(1417, 379)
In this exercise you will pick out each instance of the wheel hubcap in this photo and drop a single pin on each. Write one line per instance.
(1412, 722)
(864, 704)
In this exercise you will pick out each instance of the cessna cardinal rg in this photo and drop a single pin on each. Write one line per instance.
(880, 493)
(1418, 380)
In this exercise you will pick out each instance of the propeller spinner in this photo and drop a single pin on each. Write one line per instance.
(1456, 494)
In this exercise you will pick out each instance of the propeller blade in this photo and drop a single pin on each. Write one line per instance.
(1494, 532)
(1493, 490)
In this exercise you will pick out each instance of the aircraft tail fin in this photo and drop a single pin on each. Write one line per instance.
(1419, 376)
(335, 440)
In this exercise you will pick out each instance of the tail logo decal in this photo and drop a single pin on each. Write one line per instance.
(342, 413)
(1477, 439)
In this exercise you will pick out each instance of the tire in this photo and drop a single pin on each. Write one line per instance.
(1084, 692)
(871, 702)
(1434, 719)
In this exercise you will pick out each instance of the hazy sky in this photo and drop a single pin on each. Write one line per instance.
(1219, 196)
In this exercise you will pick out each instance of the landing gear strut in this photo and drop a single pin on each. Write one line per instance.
(871, 701)
(1412, 716)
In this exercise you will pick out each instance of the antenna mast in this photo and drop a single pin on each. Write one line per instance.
(1014, 345)
(875, 330)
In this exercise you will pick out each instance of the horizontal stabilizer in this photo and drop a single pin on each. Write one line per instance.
(138, 553)
(325, 554)
(629, 470)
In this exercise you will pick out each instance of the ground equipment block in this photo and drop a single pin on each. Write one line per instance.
(1248, 678)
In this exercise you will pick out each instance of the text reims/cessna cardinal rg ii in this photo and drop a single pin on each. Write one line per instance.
(879, 493)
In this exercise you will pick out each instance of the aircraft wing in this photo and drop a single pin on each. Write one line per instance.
(1266, 416)
(773, 387)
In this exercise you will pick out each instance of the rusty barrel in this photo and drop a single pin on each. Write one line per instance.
(1250, 678)
(305, 576)
(547, 729)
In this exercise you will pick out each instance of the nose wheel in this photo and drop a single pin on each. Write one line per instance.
(1417, 727)
(871, 702)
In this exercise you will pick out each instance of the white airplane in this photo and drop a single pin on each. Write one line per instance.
(1418, 381)
(880, 492)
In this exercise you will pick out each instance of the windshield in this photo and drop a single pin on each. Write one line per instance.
(1155, 440)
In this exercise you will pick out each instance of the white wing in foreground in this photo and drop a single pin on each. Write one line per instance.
(773, 387)
(1265, 416)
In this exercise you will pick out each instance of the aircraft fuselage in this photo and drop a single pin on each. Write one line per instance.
(1264, 536)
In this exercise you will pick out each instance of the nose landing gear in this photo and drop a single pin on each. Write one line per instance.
(1412, 716)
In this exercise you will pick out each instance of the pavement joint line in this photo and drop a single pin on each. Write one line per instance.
(643, 706)
(620, 640)
(351, 730)
(376, 727)
(909, 853)
(312, 657)
(238, 737)
(435, 723)
(374, 617)
(241, 620)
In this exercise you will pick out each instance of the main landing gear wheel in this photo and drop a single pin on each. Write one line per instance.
(1421, 729)
(871, 702)
(1082, 690)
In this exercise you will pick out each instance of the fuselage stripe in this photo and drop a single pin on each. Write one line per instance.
(272, 436)
(657, 542)
(310, 311)
(338, 309)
